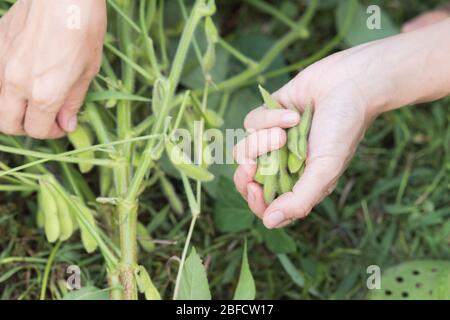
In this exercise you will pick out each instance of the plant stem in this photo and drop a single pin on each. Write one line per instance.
(48, 268)
(184, 254)
(128, 247)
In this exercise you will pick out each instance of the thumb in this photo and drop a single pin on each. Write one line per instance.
(67, 116)
(317, 182)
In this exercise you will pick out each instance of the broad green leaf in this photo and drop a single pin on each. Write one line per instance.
(231, 212)
(194, 283)
(278, 240)
(291, 270)
(116, 95)
(88, 293)
(246, 289)
(361, 30)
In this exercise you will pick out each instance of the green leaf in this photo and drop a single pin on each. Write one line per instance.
(231, 212)
(194, 283)
(88, 293)
(278, 240)
(291, 270)
(116, 95)
(246, 289)
(359, 32)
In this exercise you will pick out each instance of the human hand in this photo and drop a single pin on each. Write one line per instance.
(426, 19)
(349, 89)
(47, 62)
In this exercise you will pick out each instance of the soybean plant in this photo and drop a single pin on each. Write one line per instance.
(93, 181)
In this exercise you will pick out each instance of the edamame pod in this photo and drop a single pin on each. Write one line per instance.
(269, 101)
(89, 242)
(182, 162)
(258, 176)
(304, 126)
(285, 181)
(51, 224)
(270, 188)
(294, 163)
(213, 119)
(292, 140)
(171, 195)
(144, 238)
(65, 219)
(82, 138)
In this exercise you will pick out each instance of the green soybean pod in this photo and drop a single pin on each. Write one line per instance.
(89, 242)
(294, 163)
(145, 240)
(304, 126)
(285, 182)
(40, 216)
(51, 224)
(82, 138)
(65, 218)
(269, 101)
(213, 119)
(171, 195)
(292, 139)
(258, 176)
(182, 162)
(270, 188)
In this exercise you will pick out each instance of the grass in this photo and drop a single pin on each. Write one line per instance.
(392, 204)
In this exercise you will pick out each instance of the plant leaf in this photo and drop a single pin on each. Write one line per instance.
(245, 289)
(359, 31)
(194, 283)
(231, 213)
(278, 240)
(88, 293)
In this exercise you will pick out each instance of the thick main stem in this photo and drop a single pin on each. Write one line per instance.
(127, 213)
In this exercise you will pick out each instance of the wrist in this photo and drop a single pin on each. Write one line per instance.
(413, 68)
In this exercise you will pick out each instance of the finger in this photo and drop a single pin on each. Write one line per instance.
(318, 181)
(46, 100)
(67, 116)
(294, 93)
(263, 118)
(244, 175)
(425, 20)
(255, 199)
(12, 110)
(258, 143)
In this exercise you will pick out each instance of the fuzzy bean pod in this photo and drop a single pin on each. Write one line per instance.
(82, 138)
(48, 203)
(169, 191)
(66, 226)
(304, 127)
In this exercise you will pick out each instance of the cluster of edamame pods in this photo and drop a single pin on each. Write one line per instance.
(278, 170)
(61, 214)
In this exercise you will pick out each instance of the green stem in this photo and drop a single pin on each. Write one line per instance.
(128, 247)
(174, 78)
(48, 268)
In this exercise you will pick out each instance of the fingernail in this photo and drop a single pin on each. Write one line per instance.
(72, 124)
(290, 117)
(274, 219)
